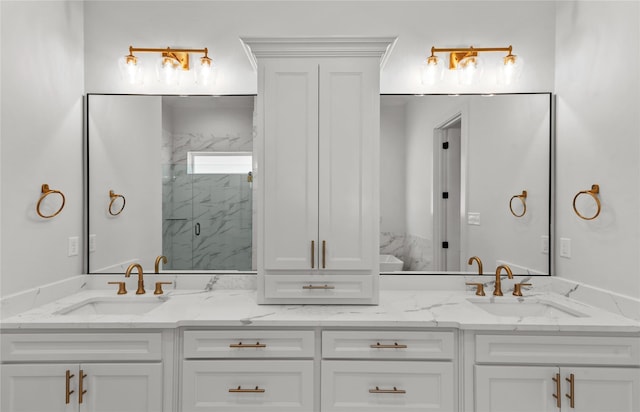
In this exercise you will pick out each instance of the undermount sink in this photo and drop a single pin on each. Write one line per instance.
(505, 306)
(117, 305)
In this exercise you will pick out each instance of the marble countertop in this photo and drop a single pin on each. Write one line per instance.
(397, 309)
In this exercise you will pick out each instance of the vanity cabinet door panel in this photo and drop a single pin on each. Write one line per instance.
(603, 389)
(290, 169)
(349, 149)
(119, 387)
(247, 386)
(37, 388)
(516, 389)
(388, 386)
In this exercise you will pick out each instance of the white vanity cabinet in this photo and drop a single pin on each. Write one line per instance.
(245, 371)
(388, 371)
(82, 372)
(516, 373)
(317, 169)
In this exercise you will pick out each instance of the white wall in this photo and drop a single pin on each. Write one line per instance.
(392, 169)
(598, 102)
(111, 27)
(41, 92)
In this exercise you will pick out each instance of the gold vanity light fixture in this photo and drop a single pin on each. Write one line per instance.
(172, 61)
(468, 64)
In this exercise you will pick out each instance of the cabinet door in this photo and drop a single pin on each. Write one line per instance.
(38, 388)
(349, 152)
(120, 387)
(602, 389)
(290, 169)
(516, 389)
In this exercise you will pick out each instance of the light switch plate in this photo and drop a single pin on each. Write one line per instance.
(544, 244)
(73, 246)
(92, 243)
(473, 219)
(565, 247)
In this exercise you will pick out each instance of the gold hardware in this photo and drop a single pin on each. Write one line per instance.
(497, 291)
(113, 196)
(46, 192)
(318, 287)
(127, 274)
(458, 55)
(313, 254)
(240, 390)
(517, 288)
(157, 264)
(177, 57)
(81, 391)
(523, 198)
(394, 390)
(122, 288)
(249, 345)
(250, 177)
(324, 254)
(557, 395)
(571, 395)
(479, 288)
(394, 346)
(595, 190)
(68, 390)
(477, 260)
(159, 290)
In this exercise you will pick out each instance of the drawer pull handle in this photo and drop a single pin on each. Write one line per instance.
(68, 390)
(240, 390)
(313, 254)
(394, 390)
(248, 345)
(81, 390)
(571, 394)
(318, 287)
(394, 346)
(557, 395)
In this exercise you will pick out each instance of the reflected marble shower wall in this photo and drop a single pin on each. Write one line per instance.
(416, 252)
(207, 221)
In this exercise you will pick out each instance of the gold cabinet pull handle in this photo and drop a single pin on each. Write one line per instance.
(318, 287)
(558, 395)
(240, 390)
(324, 254)
(394, 390)
(68, 390)
(571, 394)
(81, 390)
(249, 345)
(394, 346)
(313, 254)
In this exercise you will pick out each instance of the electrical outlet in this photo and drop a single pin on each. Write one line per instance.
(73, 246)
(473, 219)
(565, 247)
(92, 243)
(544, 245)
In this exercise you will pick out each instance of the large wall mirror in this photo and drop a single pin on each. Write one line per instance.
(171, 175)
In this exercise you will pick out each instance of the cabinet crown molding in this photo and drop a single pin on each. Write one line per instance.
(331, 46)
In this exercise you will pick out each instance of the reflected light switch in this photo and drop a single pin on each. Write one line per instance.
(473, 219)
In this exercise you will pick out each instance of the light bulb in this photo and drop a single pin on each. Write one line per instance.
(130, 70)
(509, 72)
(469, 69)
(167, 71)
(432, 71)
(204, 71)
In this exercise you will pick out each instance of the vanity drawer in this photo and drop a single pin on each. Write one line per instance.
(246, 385)
(248, 344)
(319, 288)
(388, 345)
(566, 350)
(25, 347)
(387, 386)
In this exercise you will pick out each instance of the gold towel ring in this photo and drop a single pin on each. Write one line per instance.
(595, 189)
(115, 197)
(46, 192)
(523, 199)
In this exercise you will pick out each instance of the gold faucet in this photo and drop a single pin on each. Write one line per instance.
(497, 291)
(477, 259)
(158, 259)
(132, 266)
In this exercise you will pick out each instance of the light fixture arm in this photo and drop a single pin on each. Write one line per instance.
(459, 53)
(180, 56)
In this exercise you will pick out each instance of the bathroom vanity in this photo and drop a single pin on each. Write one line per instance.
(426, 346)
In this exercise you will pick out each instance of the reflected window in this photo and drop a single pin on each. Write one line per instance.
(228, 163)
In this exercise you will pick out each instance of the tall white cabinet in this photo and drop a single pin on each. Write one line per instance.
(317, 167)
